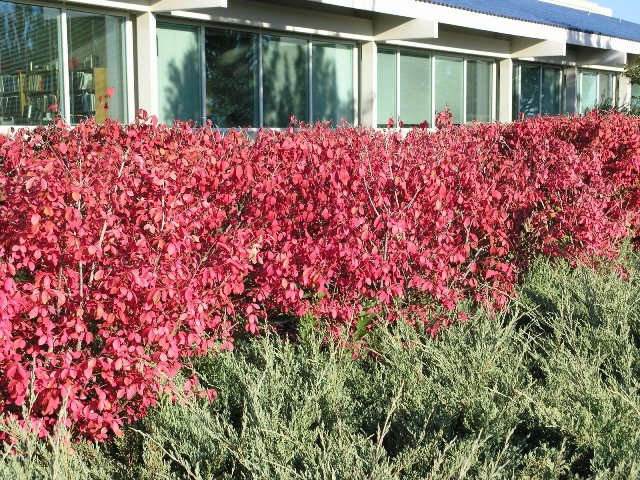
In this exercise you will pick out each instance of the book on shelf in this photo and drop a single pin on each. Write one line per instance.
(38, 106)
(82, 80)
(9, 83)
(84, 103)
(10, 105)
(88, 85)
(38, 82)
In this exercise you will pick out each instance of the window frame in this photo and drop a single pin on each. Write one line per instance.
(259, 32)
(65, 78)
(432, 56)
(562, 90)
(615, 84)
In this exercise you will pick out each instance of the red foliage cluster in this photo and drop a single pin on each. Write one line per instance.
(126, 249)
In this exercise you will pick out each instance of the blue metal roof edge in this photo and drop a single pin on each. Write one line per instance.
(536, 11)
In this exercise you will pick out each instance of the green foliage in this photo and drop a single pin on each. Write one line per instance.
(547, 390)
(631, 108)
(57, 457)
(632, 72)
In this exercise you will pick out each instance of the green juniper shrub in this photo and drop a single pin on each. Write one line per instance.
(547, 389)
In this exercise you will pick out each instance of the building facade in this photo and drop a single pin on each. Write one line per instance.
(243, 63)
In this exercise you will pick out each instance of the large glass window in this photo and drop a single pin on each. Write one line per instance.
(596, 89)
(550, 90)
(179, 74)
(479, 90)
(415, 88)
(231, 60)
(449, 87)
(255, 80)
(588, 91)
(537, 90)
(30, 63)
(32, 71)
(96, 63)
(635, 95)
(606, 89)
(332, 82)
(530, 94)
(426, 84)
(387, 86)
(285, 66)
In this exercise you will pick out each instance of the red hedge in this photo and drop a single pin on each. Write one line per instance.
(125, 249)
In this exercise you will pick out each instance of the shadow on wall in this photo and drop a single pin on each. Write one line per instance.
(332, 89)
(182, 96)
(285, 80)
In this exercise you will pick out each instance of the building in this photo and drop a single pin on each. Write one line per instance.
(252, 63)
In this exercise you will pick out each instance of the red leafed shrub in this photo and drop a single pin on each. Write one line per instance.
(126, 249)
(120, 254)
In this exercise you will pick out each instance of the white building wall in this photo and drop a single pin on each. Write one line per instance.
(400, 23)
(527, 42)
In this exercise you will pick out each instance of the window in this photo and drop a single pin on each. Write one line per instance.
(414, 86)
(597, 89)
(96, 59)
(588, 91)
(253, 79)
(479, 90)
(32, 71)
(285, 80)
(605, 88)
(551, 95)
(635, 95)
(332, 82)
(449, 84)
(387, 86)
(538, 90)
(231, 61)
(178, 73)
(30, 63)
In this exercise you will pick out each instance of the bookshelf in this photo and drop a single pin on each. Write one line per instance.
(12, 97)
(41, 91)
(25, 96)
(89, 84)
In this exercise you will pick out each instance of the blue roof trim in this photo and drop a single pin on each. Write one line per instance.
(544, 13)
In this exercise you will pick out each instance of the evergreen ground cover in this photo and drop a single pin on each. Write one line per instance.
(546, 389)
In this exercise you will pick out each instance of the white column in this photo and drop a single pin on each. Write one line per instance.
(571, 90)
(147, 63)
(368, 84)
(505, 113)
(624, 91)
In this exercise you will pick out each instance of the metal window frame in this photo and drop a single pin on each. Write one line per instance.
(397, 92)
(494, 89)
(540, 65)
(63, 56)
(432, 54)
(203, 76)
(398, 112)
(260, 32)
(597, 73)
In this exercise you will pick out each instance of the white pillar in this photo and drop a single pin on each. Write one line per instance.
(505, 113)
(624, 91)
(147, 63)
(571, 90)
(369, 84)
